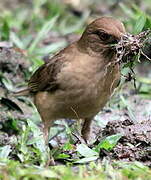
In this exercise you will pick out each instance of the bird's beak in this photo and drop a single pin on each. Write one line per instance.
(119, 36)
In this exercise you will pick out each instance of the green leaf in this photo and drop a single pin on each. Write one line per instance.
(129, 64)
(140, 23)
(67, 146)
(38, 139)
(42, 33)
(66, 29)
(15, 39)
(108, 143)
(50, 48)
(128, 106)
(7, 83)
(128, 11)
(87, 159)
(144, 80)
(37, 136)
(148, 22)
(4, 151)
(5, 31)
(86, 151)
(63, 156)
(36, 63)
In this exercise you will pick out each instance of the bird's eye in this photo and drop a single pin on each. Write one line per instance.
(103, 35)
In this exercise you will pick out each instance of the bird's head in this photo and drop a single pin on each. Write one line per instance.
(101, 34)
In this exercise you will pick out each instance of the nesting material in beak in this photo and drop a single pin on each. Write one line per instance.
(130, 46)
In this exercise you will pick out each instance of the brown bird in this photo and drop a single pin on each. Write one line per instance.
(78, 81)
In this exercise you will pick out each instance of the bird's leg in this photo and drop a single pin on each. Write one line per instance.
(47, 123)
(46, 128)
(39, 100)
(86, 128)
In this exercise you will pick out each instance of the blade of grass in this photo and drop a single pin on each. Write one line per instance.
(144, 80)
(50, 48)
(128, 11)
(140, 23)
(37, 134)
(15, 39)
(42, 33)
(127, 105)
(66, 29)
(87, 159)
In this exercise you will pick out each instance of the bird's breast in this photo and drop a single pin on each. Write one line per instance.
(86, 89)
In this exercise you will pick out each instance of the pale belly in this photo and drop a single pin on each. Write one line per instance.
(83, 108)
(65, 105)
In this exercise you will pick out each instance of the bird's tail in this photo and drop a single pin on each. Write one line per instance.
(23, 92)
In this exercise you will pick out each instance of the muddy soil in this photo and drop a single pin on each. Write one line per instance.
(135, 142)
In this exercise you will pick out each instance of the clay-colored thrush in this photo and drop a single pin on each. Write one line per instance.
(78, 81)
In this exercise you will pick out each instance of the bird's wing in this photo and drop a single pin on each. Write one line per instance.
(44, 78)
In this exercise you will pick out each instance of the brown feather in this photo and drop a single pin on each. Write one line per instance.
(44, 78)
